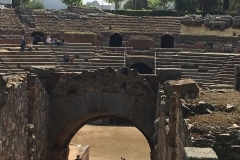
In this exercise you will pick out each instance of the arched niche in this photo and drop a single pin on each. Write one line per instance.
(167, 41)
(115, 40)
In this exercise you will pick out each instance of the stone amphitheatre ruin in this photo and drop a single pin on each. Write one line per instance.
(45, 101)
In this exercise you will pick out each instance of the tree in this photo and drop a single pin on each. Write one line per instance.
(179, 5)
(117, 3)
(72, 2)
(190, 5)
(136, 4)
(19, 2)
(156, 4)
(35, 4)
(225, 5)
(210, 5)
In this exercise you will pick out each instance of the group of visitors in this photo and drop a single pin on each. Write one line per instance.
(35, 39)
(67, 58)
(55, 41)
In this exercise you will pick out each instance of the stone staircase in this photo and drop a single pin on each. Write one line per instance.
(209, 69)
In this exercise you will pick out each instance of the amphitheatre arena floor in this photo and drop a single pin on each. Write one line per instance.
(111, 142)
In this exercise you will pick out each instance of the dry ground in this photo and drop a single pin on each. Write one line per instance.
(110, 143)
(202, 30)
(221, 118)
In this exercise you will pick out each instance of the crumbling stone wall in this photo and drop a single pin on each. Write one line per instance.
(13, 120)
(172, 131)
(23, 118)
(38, 119)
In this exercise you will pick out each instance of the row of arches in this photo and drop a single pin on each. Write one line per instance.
(115, 40)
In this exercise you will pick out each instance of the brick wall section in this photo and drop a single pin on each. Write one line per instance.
(13, 120)
(173, 135)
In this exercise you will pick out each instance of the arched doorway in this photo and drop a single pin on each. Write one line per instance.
(115, 40)
(109, 141)
(167, 41)
(37, 37)
(102, 93)
(142, 68)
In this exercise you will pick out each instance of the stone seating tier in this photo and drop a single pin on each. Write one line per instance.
(78, 22)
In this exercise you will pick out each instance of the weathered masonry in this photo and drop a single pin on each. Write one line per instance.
(41, 111)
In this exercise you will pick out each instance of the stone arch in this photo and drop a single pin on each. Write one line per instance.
(142, 68)
(167, 41)
(78, 98)
(115, 40)
(40, 37)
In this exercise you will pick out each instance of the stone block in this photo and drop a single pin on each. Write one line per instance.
(42, 69)
(184, 87)
(195, 153)
(114, 102)
(165, 74)
(90, 101)
(102, 101)
(126, 104)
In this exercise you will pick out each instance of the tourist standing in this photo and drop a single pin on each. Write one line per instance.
(23, 43)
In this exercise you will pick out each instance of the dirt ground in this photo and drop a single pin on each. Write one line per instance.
(111, 142)
(202, 30)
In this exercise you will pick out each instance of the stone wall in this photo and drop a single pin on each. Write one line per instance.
(38, 105)
(13, 120)
(23, 118)
(172, 131)
(95, 39)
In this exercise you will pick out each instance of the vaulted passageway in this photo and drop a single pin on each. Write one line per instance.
(78, 98)
(142, 68)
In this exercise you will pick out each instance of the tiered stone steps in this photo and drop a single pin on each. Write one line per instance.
(87, 57)
(225, 75)
(202, 67)
(17, 61)
(52, 20)
(10, 24)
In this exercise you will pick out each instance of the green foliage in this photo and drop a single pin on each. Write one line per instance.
(179, 5)
(210, 5)
(225, 5)
(117, 3)
(18, 2)
(35, 4)
(156, 4)
(72, 2)
(233, 4)
(139, 4)
(190, 5)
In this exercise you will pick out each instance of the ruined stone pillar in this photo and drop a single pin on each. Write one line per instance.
(236, 76)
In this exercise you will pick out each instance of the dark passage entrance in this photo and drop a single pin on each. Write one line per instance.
(115, 40)
(167, 41)
(37, 37)
(142, 68)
